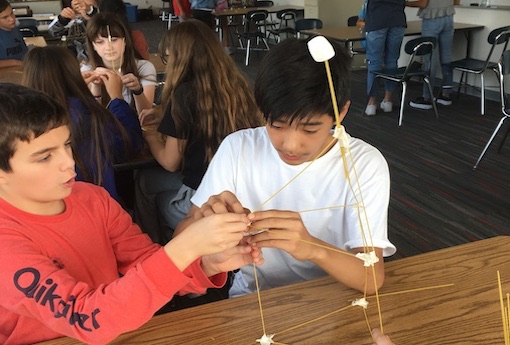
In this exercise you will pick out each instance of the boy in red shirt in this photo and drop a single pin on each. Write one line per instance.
(72, 261)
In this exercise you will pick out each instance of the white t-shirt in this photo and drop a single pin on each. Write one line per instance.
(247, 165)
(146, 71)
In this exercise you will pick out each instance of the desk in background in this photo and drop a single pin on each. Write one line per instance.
(349, 34)
(467, 313)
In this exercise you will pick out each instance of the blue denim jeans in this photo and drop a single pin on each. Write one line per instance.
(383, 51)
(442, 29)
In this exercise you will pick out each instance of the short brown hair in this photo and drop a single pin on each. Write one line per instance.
(25, 114)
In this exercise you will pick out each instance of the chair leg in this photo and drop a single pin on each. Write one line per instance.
(460, 84)
(247, 52)
(504, 139)
(265, 43)
(426, 79)
(489, 142)
(482, 96)
(402, 103)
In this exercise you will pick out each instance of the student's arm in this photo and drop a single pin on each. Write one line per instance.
(164, 147)
(143, 88)
(151, 275)
(10, 63)
(165, 150)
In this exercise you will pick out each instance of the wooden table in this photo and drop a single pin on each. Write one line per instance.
(349, 34)
(467, 313)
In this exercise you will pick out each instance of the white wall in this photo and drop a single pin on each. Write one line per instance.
(491, 19)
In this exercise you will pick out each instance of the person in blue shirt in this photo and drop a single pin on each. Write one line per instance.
(12, 45)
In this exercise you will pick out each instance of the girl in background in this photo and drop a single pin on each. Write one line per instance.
(101, 137)
(109, 46)
(205, 98)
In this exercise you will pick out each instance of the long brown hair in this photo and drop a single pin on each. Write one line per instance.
(224, 99)
(99, 25)
(55, 71)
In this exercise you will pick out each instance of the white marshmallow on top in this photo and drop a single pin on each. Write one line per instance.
(320, 49)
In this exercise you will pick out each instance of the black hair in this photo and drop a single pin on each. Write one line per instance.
(3, 5)
(291, 85)
(25, 114)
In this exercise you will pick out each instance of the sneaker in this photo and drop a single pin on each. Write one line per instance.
(444, 100)
(387, 107)
(421, 103)
(371, 109)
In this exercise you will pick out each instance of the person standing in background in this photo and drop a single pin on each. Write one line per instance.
(437, 21)
(385, 25)
(202, 10)
(182, 9)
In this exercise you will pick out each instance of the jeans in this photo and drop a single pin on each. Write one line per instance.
(383, 51)
(442, 29)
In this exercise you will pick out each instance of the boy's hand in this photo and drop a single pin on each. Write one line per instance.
(287, 233)
(225, 202)
(209, 235)
(231, 259)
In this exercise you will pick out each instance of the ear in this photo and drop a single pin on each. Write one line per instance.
(3, 177)
(344, 110)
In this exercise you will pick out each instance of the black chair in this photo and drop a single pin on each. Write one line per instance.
(307, 24)
(503, 67)
(418, 49)
(354, 50)
(287, 21)
(475, 66)
(28, 27)
(254, 29)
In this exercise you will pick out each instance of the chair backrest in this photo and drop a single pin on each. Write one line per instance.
(496, 37)
(286, 17)
(28, 27)
(308, 24)
(504, 75)
(419, 49)
(256, 20)
(351, 21)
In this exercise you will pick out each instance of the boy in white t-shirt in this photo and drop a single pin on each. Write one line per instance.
(319, 208)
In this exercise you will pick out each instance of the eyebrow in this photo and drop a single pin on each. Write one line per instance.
(47, 149)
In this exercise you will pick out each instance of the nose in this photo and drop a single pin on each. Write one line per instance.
(291, 142)
(67, 160)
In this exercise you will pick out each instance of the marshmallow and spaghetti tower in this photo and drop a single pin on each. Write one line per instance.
(322, 51)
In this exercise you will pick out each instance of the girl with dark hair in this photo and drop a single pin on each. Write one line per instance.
(100, 136)
(109, 47)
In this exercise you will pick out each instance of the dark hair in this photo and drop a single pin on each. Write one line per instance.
(98, 25)
(291, 85)
(3, 5)
(55, 71)
(25, 114)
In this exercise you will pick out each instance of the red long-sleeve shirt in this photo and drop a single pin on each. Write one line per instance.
(88, 273)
